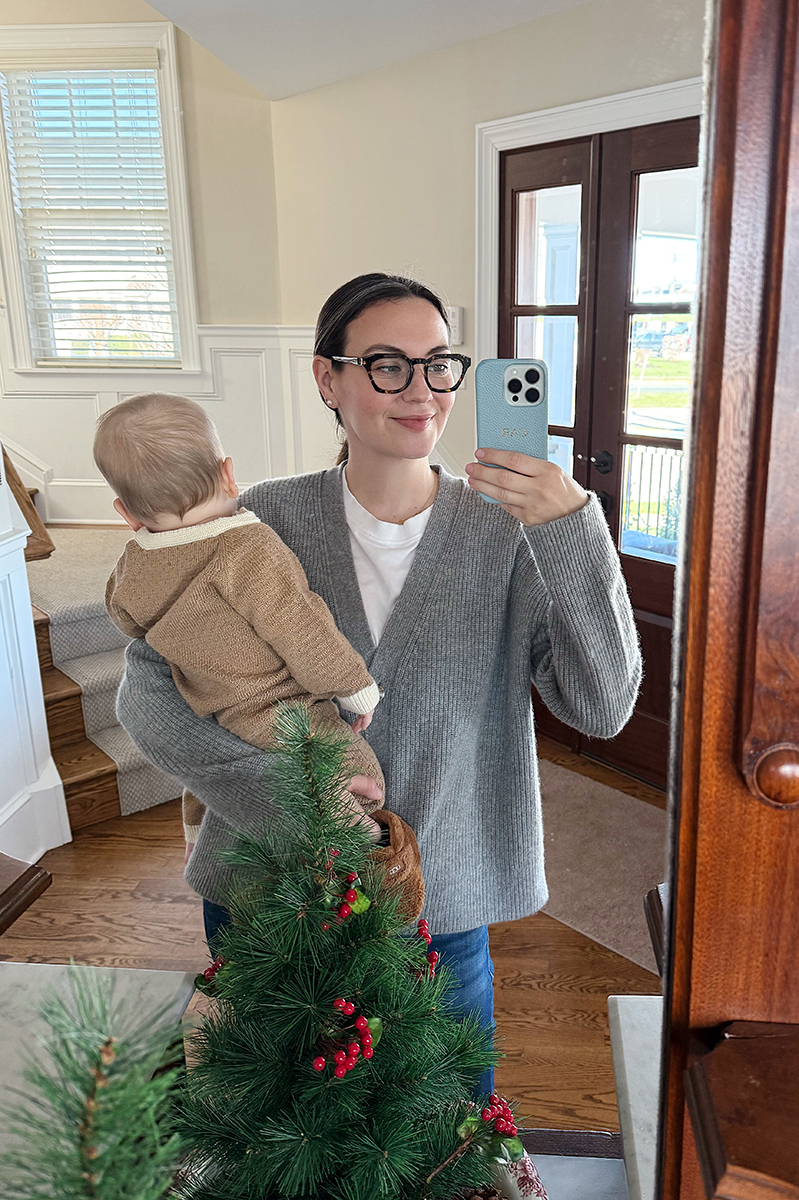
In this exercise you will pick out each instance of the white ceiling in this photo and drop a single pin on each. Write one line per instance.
(283, 47)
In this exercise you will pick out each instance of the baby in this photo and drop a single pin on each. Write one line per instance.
(216, 592)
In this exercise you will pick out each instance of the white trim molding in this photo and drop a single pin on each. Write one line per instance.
(33, 812)
(646, 106)
(21, 44)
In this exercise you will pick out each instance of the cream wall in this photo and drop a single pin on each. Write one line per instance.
(229, 162)
(353, 190)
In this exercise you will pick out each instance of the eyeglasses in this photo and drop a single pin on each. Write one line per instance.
(390, 373)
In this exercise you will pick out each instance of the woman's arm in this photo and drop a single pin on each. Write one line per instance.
(585, 657)
(228, 775)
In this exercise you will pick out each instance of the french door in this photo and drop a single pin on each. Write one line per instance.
(598, 246)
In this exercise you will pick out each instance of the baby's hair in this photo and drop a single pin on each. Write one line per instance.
(160, 453)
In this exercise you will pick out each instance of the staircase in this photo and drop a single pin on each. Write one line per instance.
(82, 661)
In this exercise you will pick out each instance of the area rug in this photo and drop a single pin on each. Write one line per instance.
(604, 851)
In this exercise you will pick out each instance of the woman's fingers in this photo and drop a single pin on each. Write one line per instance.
(532, 490)
(364, 785)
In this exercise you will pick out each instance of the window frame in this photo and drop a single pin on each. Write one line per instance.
(24, 42)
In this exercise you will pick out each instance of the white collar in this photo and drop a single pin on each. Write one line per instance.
(194, 533)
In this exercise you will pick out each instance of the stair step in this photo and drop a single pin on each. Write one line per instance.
(41, 627)
(63, 708)
(89, 776)
(32, 492)
(99, 675)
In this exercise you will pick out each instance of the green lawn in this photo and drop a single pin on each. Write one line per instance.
(659, 399)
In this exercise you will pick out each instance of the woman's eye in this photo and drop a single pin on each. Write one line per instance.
(386, 368)
(439, 368)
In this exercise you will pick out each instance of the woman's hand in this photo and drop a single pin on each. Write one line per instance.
(530, 489)
(363, 785)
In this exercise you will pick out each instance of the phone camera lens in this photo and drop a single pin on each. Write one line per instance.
(532, 376)
(515, 399)
(515, 385)
(532, 395)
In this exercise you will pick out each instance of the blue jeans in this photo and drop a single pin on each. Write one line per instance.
(465, 954)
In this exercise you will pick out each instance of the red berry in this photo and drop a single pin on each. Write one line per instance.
(319, 1064)
(340, 1072)
(353, 1049)
(344, 911)
(339, 1057)
(329, 864)
(209, 973)
(494, 1098)
(340, 1003)
(350, 1063)
(513, 1131)
(348, 1009)
(486, 1114)
(427, 938)
(350, 895)
(361, 1023)
(335, 853)
(501, 1126)
(367, 1051)
(433, 957)
(353, 875)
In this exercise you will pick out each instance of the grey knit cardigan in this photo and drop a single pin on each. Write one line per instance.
(488, 607)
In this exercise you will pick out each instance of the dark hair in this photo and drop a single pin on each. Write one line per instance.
(349, 301)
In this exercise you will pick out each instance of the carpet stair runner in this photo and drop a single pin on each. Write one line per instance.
(82, 655)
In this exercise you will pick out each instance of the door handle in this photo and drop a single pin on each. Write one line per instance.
(602, 462)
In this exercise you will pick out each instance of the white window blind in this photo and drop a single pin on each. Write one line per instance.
(89, 188)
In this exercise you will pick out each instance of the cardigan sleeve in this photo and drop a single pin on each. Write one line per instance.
(116, 611)
(585, 655)
(265, 582)
(229, 776)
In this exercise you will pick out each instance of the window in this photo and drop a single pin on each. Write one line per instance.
(94, 226)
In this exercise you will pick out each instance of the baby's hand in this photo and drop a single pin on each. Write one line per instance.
(361, 723)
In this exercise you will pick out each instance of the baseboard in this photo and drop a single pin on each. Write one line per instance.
(36, 821)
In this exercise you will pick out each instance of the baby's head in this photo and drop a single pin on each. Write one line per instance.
(161, 455)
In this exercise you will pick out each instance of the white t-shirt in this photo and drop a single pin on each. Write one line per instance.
(383, 555)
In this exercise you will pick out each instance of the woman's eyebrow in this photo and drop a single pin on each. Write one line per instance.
(397, 350)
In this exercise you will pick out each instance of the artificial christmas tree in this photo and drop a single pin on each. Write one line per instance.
(98, 1119)
(331, 1066)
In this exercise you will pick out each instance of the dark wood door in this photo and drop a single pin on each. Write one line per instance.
(598, 267)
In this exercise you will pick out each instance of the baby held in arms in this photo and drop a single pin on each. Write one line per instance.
(216, 592)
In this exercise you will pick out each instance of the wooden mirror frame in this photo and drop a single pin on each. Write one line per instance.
(730, 1096)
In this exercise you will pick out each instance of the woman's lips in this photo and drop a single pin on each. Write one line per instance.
(414, 422)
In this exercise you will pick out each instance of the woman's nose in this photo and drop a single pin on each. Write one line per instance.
(418, 388)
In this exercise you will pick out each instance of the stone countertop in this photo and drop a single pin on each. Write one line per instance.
(636, 1024)
(23, 986)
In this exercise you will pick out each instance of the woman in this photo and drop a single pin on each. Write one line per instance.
(456, 606)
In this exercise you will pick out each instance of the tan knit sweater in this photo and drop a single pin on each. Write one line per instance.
(228, 606)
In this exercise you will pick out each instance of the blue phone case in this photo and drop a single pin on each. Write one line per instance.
(502, 426)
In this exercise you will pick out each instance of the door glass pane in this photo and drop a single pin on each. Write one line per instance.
(554, 339)
(666, 237)
(659, 363)
(651, 498)
(548, 245)
(561, 451)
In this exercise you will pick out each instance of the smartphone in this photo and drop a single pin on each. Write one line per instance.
(512, 396)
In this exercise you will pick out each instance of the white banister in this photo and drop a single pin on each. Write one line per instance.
(33, 812)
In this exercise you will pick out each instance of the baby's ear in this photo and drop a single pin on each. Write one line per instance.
(135, 524)
(229, 479)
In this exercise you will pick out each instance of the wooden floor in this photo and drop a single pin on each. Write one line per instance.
(118, 899)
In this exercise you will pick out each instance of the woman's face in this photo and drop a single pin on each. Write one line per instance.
(404, 425)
